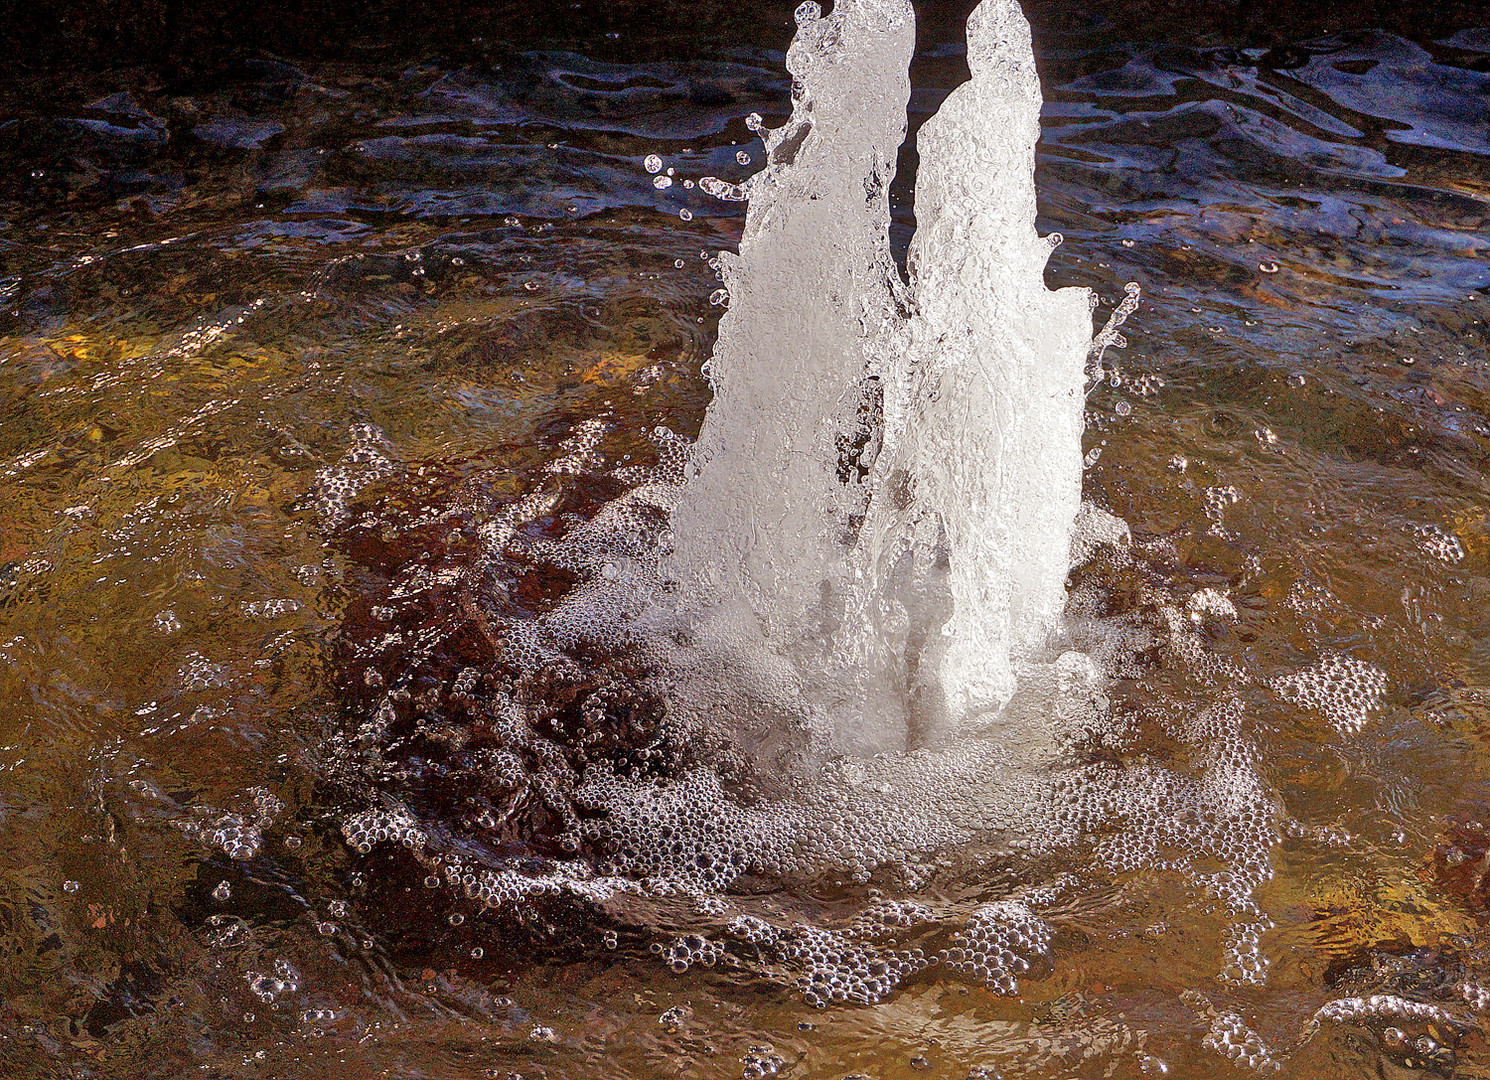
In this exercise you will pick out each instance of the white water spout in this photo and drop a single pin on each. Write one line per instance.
(888, 475)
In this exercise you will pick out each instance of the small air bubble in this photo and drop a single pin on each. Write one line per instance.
(222, 892)
(809, 11)
(686, 214)
(678, 263)
(718, 296)
(653, 163)
(742, 157)
(754, 121)
(661, 182)
(1128, 243)
(71, 886)
(477, 953)
(1123, 408)
(1268, 267)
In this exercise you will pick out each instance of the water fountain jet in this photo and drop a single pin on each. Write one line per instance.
(888, 474)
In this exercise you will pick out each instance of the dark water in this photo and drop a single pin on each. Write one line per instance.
(276, 332)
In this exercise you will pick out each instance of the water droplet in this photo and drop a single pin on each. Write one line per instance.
(808, 11)
(653, 163)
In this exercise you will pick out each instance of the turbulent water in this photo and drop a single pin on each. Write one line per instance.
(405, 670)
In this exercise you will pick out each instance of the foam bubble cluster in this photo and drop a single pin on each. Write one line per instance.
(1342, 689)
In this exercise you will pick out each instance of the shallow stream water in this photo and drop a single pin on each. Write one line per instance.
(269, 339)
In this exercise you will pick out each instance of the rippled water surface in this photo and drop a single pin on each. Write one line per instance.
(270, 338)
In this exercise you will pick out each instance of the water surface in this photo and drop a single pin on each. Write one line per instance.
(273, 337)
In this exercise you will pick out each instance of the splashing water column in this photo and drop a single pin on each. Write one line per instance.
(887, 476)
(990, 398)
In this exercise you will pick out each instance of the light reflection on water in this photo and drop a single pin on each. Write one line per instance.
(237, 320)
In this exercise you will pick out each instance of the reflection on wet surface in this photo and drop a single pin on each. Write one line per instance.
(270, 341)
